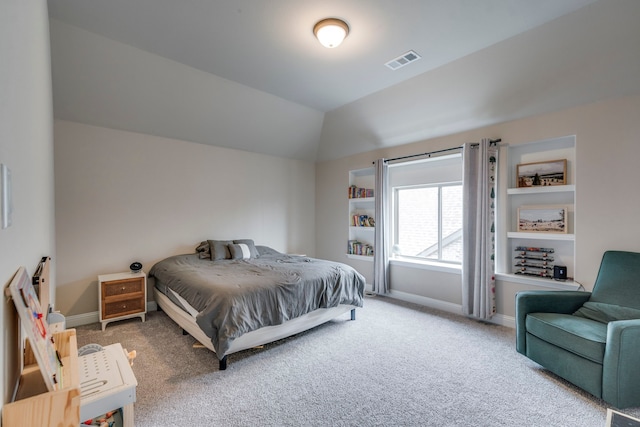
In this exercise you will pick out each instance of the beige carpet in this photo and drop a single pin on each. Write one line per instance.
(397, 365)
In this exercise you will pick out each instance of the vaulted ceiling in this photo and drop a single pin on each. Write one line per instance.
(250, 75)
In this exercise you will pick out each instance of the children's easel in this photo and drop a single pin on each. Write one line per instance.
(48, 391)
(56, 386)
(34, 325)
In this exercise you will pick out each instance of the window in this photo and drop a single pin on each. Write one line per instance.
(429, 222)
(427, 210)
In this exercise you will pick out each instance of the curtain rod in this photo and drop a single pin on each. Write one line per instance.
(493, 142)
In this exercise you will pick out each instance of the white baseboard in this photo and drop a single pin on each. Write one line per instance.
(94, 317)
(427, 302)
(82, 319)
(504, 320)
(498, 319)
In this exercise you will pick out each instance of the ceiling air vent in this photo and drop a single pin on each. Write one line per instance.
(402, 60)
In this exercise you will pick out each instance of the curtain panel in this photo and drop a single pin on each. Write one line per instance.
(381, 239)
(478, 249)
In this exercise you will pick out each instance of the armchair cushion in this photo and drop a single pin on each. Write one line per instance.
(606, 313)
(618, 279)
(584, 337)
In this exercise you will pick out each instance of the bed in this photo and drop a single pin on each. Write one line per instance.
(232, 295)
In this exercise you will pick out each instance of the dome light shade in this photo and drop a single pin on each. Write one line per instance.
(331, 31)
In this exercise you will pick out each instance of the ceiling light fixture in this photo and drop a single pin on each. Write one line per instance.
(331, 31)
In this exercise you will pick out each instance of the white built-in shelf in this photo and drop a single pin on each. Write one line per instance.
(362, 199)
(567, 285)
(516, 197)
(542, 190)
(360, 257)
(541, 236)
(361, 206)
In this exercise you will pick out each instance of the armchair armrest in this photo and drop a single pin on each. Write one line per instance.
(565, 302)
(621, 370)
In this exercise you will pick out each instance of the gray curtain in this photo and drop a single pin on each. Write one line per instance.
(381, 240)
(478, 248)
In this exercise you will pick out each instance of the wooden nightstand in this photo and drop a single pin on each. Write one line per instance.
(122, 296)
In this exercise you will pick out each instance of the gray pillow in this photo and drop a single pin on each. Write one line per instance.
(219, 249)
(250, 244)
(239, 251)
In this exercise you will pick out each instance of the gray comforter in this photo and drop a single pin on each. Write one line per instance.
(234, 297)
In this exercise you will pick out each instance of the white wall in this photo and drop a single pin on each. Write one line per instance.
(124, 197)
(26, 147)
(607, 203)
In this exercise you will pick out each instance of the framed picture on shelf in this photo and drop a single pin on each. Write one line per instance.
(543, 219)
(539, 174)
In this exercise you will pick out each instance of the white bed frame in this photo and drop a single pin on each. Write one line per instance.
(255, 338)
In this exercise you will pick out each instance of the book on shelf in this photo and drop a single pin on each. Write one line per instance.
(358, 220)
(356, 247)
(356, 192)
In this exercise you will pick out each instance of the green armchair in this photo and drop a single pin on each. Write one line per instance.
(591, 339)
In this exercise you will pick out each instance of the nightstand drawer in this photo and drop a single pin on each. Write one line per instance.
(123, 307)
(120, 287)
